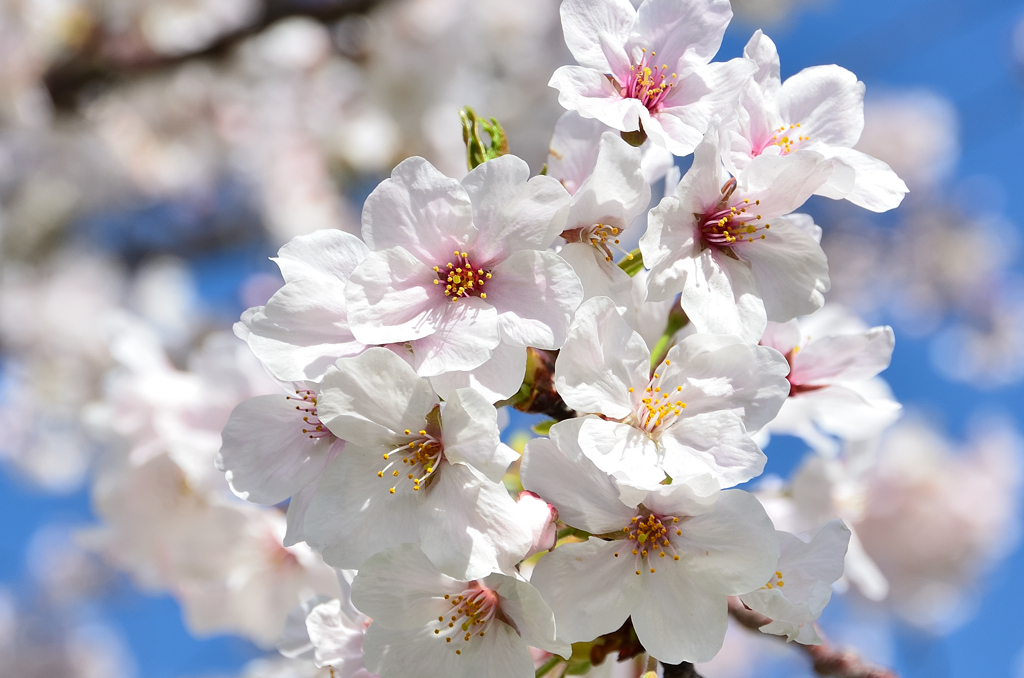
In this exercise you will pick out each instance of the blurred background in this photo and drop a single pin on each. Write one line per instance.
(155, 153)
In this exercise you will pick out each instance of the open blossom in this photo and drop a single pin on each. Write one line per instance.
(329, 632)
(834, 358)
(819, 109)
(458, 268)
(726, 244)
(274, 448)
(688, 418)
(614, 194)
(427, 624)
(668, 562)
(800, 588)
(648, 69)
(413, 472)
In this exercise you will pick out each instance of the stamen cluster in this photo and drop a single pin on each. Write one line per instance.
(462, 279)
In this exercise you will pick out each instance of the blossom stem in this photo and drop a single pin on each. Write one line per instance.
(677, 320)
(547, 666)
(827, 659)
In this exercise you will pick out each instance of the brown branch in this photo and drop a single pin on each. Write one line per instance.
(827, 659)
(105, 58)
(684, 670)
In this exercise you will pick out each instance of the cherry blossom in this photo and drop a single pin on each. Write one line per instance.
(413, 472)
(455, 269)
(819, 109)
(647, 69)
(726, 244)
(688, 418)
(800, 588)
(427, 624)
(668, 562)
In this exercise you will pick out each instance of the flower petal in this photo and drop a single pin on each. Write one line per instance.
(399, 588)
(497, 379)
(676, 619)
(469, 431)
(465, 338)
(588, 25)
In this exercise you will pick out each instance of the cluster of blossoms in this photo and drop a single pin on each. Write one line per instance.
(396, 350)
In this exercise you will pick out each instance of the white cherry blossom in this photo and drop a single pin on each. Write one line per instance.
(413, 472)
(427, 624)
(648, 68)
(800, 588)
(688, 417)
(458, 268)
(819, 109)
(668, 562)
(726, 244)
(834, 358)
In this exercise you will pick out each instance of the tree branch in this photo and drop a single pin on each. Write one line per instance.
(826, 658)
(684, 670)
(106, 58)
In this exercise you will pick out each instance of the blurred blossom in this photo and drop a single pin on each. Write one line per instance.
(178, 26)
(915, 132)
(280, 667)
(938, 518)
(64, 572)
(767, 11)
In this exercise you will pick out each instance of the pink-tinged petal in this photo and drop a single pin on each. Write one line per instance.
(876, 187)
(343, 523)
(561, 474)
(714, 443)
(789, 269)
(699, 97)
(338, 639)
(392, 298)
(731, 550)
(266, 456)
(419, 209)
(572, 154)
(469, 432)
(668, 248)
(854, 411)
(542, 519)
(762, 51)
(602, 359)
(590, 591)
(783, 183)
(592, 95)
(401, 589)
(372, 397)
(676, 619)
(599, 277)
(680, 34)
(827, 102)
(721, 373)
(471, 525)
(783, 337)
(497, 379)
(535, 294)
(465, 338)
(513, 211)
(844, 357)
(721, 296)
(588, 26)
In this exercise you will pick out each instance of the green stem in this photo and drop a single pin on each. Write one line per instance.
(633, 263)
(548, 665)
(676, 321)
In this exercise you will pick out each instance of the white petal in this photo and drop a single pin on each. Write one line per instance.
(392, 298)
(497, 379)
(844, 357)
(713, 443)
(625, 453)
(373, 396)
(599, 277)
(761, 50)
(559, 471)
(721, 296)
(513, 211)
(523, 605)
(588, 26)
(401, 589)
(672, 29)
(469, 431)
(590, 93)
(338, 639)
(572, 154)
(876, 186)
(419, 209)
(601, 360)
(590, 590)
(616, 192)
(827, 102)
(465, 338)
(265, 454)
(535, 294)
(676, 619)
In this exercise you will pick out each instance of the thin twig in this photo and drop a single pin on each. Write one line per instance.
(827, 659)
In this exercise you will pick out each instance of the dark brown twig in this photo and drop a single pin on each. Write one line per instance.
(107, 58)
(827, 659)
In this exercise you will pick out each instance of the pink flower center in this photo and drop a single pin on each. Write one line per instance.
(795, 387)
(648, 83)
(784, 138)
(649, 538)
(311, 423)
(461, 278)
(728, 225)
(472, 612)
